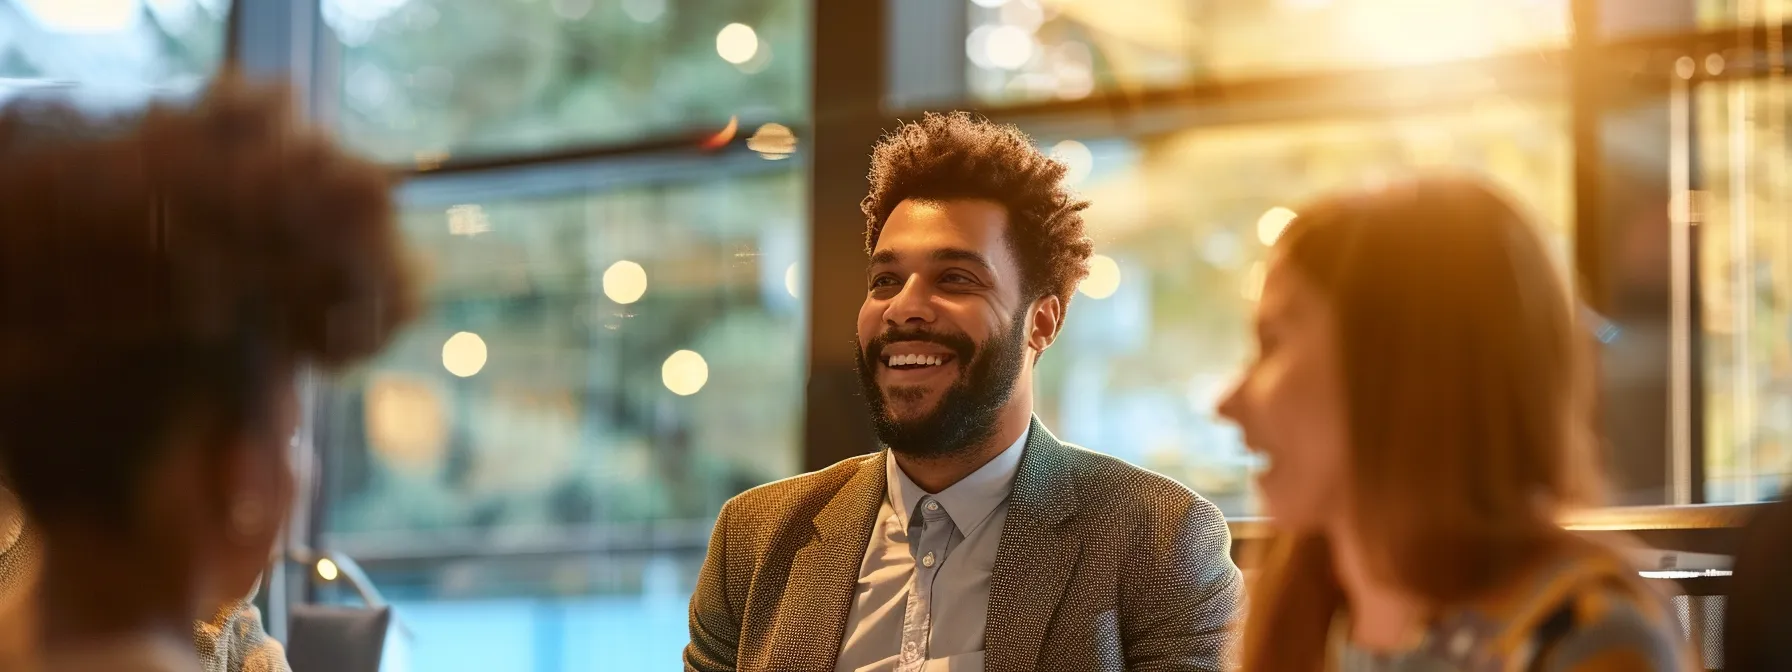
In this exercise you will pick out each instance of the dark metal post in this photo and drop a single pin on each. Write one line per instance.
(848, 92)
(274, 40)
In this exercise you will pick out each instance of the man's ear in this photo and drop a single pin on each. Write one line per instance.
(1046, 318)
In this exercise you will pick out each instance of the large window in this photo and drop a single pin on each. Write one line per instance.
(1182, 222)
(621, 310)
(130, 48)
(1193, 125)
(426, 79)
(616, 326)
(1033, 50)
(1745, 287)
(615, 357)
(598, 372)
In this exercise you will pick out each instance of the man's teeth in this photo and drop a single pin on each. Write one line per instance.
(915, 360)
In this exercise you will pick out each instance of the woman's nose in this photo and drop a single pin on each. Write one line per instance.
(1232, 402)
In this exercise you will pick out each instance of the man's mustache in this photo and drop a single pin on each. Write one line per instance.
(960, 344)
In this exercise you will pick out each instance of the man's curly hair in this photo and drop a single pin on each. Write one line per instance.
(169, 268)
(957, 156)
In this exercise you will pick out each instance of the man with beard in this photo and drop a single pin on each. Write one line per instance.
(975, 540)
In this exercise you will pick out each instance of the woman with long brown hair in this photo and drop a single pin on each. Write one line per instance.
(1420, 395)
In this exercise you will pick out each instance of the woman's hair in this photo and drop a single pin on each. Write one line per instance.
(165, 272)
(1467, 404)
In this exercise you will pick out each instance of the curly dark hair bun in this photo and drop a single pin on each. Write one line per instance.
(224, 219)
(165, 271)
(954, 155)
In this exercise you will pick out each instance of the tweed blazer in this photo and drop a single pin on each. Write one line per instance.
(1101, 566)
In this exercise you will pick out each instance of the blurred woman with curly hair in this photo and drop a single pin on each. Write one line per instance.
(164, 277)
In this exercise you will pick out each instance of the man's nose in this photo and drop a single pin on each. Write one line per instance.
(914, 304)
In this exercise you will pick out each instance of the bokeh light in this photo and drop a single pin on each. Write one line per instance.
(1104, 277)
(737, 43)
(1008, 47)
(625, 281)
(773, 141)
(1077, 158)
(644, 11)
(464, 354)
(684, 373)
(1271, 224)
(83, 16)
(722, 137)
(407, 423)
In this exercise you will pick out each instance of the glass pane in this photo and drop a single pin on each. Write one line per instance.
(1746, 288)
(425, 78)
(123, 47)
(569, 613)
(1030, 50)
(1621, 18)
(599, 369)
(1163, 323)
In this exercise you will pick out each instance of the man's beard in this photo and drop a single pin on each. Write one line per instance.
(966, 413)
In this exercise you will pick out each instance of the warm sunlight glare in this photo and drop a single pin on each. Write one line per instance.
(1104, 277)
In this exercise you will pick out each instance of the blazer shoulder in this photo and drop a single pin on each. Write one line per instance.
(1109, 480)
(802, 495)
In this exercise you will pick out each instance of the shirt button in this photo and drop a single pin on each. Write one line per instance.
(933, 506)
(927, 560)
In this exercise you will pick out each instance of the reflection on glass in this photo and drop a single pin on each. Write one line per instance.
(1180, 219)
(529, 475)
(622, 612)
(424, 78)
(1030, 50)
(1746, 289)
(128, 48)
(533, 403)
(1627, 18)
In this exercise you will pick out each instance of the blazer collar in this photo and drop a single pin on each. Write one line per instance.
(853, 507)
(1036, 555)
(819, 591)
(1032, 568)
(1045, 486)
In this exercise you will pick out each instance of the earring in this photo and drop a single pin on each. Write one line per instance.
(247, 516)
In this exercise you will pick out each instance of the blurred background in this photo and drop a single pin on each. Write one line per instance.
(640, 224)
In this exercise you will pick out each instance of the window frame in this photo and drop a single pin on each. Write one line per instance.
(851, 91)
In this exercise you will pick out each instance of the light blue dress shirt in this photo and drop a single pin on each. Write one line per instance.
(923, 585)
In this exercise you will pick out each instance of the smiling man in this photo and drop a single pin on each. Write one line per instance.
(976, 540)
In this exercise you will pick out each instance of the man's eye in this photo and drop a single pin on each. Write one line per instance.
(883, 281)
(957, 277)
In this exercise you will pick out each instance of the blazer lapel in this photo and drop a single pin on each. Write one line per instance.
(825, 573)
(1035, 557)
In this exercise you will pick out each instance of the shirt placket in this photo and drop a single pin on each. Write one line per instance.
(929, 539)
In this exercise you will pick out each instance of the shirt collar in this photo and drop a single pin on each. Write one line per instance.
(970, 500)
